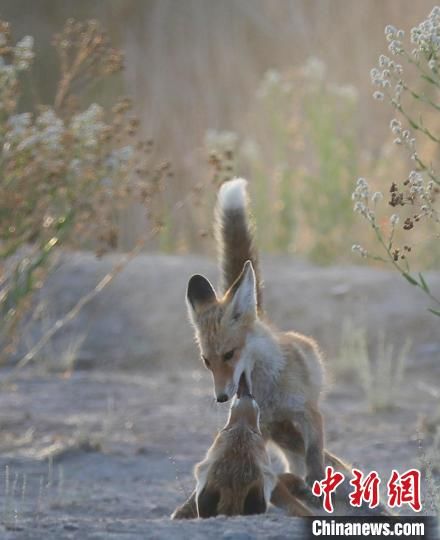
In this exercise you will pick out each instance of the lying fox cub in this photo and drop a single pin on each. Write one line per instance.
(284, 369)
(236, 478)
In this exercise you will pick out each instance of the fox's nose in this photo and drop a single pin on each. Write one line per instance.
(221, 398)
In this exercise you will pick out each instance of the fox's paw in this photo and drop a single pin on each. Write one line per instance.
(187, 510)
(306, 495)
(311, 478)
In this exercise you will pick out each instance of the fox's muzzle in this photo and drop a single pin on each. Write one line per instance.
(242, 390)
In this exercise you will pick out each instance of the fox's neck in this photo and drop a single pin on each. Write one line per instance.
(267, 359)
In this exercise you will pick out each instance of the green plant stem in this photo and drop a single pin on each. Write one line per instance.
(415, 125)
(427, 76)
(425, 168)
(403, 272)
(421, 97)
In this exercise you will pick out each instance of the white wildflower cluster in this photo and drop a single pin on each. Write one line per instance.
(403, 136)
(418, 186)
(20, 133)
(426, 37)
(415, 180)
(394, 37)
(345, 91)
(421, 185)
(394, 220)
(18, 124)
(23, 134)
(357, 248)
(387, 76)
(87, 126)
(120, 157)
(30, 141)
(10, 65)
(51, 130)
(220, 141)
(315, 69)
(391, 32)
(312, 74)
(273, 82)
(24, 53)
(361, 196)
(43, 137)
(361, 191)
(430, 212)
(376, 197)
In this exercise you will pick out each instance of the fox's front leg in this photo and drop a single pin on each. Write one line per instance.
(310, 424)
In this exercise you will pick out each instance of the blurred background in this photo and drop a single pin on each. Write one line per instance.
(284, 86)
(119, 120)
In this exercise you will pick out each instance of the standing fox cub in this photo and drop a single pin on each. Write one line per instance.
(283, 369)
(236, 477)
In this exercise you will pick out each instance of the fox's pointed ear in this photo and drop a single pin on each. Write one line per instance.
(243, 293)
(199, 294)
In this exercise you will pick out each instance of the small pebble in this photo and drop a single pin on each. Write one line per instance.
(233, 535)
(70, 527)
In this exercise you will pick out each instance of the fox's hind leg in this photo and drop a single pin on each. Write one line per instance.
(311, 426)
(302, 438)
(207, 502)
(187, 510)
(255, 502)
(289, 439)
(283, 497)
(298, 488)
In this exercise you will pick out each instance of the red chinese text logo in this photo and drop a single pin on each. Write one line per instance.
(365, 490)
(327, 486)
(402, 489)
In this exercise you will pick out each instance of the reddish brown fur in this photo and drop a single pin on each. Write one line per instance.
(236, 474)
(284, 369)
(236, 478)
(212, 326)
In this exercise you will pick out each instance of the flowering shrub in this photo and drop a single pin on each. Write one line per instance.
(66, 171)
(413, 201)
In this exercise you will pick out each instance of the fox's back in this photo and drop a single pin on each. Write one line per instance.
(304, 370)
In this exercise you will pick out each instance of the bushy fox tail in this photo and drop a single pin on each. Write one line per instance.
(235, 234)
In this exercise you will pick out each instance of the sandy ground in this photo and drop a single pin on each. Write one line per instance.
(108, 453)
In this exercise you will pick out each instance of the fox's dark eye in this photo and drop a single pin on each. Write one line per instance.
(227, 356)
(205, 361)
